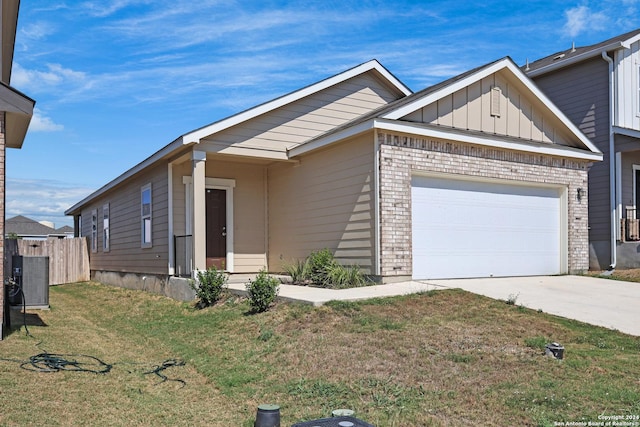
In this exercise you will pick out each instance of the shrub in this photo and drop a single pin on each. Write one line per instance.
(299, 272)
(351, 276)
(262, 291)
(320, 264)
(321, 269)
(209, 286)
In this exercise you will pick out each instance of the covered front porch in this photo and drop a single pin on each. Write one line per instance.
(219, 213)
(627, 182)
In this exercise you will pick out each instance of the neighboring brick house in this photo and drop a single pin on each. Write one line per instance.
(16, 111)
(478, 176)
(598, 88)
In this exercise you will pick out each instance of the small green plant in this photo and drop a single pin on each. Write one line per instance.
(536, 342)
(262, 291)
(321, 269)
(320, 264)
(299, 271)
(512, 299)
(209, 286)
(341, 277)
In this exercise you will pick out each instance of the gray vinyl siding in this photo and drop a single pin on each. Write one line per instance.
(582, 93)
(126, 253)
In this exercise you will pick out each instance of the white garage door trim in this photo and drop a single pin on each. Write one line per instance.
(469, 227)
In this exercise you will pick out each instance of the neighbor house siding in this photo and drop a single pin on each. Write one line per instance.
(627, 70)
(126, 253)
(581, 92)
(308, 117)
(327, 201)
(404, 155)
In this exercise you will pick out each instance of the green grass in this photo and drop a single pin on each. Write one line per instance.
(438, 358)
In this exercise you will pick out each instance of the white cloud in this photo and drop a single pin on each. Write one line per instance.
(54, 76)
(103, 9)
(42, 199)
(581, 19)
(42, 123)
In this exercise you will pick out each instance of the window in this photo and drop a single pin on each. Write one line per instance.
(145, 212)
(105, 228)
(94, 230)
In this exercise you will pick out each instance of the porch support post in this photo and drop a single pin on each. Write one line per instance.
(199, 222)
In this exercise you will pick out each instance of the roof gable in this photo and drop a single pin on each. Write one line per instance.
(497, 99)
(446, 110)
(373, 65)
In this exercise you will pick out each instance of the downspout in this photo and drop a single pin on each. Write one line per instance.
(612, 166)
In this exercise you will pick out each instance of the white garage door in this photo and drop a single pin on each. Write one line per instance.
(483, 229)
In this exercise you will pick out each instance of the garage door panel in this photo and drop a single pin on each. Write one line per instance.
(480, 229)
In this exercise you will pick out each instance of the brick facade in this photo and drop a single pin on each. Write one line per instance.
(2, 212)
(404, 155)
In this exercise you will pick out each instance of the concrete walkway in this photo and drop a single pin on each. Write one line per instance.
(603, 302)
(610, 303)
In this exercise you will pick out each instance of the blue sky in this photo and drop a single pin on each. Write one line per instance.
(114, 81)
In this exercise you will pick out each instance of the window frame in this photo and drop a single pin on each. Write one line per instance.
(94, 230)
(146, 217)
(638, 90)
(106, 237)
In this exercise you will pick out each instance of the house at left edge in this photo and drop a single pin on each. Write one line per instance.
(480, 175)
(16, 110)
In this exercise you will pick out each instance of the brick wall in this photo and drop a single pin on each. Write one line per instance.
(402, 155)
(2, 213)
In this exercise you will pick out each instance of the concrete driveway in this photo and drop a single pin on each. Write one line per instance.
(610, 303)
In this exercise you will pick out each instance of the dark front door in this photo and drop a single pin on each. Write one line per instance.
(216, 212)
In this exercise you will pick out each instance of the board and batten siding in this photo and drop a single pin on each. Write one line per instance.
(581, 91)
(295, 123)
(627, 76)
(125, 252)
(508, 111)
(325, 202)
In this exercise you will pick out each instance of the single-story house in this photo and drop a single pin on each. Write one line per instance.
(480, 175)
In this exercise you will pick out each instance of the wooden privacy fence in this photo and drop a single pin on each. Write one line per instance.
(68, 258)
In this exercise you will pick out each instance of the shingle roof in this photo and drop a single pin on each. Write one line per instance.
(572, 53)
(23, 226)
(381, 111)
(64, 230)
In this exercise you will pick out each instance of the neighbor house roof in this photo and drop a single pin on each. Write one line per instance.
(195, 136)
(23, 226)
(576, 54)
(389, 117)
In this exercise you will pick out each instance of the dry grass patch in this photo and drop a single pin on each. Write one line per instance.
(439, 358)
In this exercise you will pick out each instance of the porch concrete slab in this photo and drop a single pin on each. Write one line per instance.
(320, 296)
(603, 302)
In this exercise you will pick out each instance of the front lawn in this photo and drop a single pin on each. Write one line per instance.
(438, 358)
